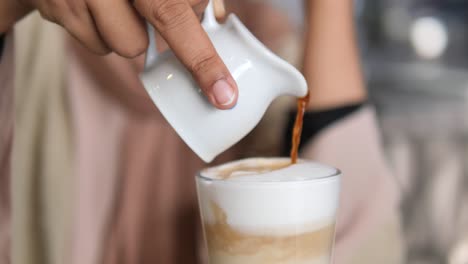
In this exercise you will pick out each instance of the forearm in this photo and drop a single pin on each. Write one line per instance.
(10, 12)
(331, 61)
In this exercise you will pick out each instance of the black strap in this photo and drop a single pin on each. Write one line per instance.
(314, 122)
(2, 40)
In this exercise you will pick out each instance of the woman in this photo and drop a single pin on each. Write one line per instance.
(118, 188)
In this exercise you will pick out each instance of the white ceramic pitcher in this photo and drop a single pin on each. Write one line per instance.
(261, 76)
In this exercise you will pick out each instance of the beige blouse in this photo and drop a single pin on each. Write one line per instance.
(6, 137)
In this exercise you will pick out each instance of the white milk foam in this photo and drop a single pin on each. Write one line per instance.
(300, 196)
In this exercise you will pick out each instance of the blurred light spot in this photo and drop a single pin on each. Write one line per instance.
(429, 37)
(169, 76)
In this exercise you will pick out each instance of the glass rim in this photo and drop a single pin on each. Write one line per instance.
(336, 172)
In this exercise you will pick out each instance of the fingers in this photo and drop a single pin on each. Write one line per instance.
(179, 26)
(115, 25)
(219, 9)
(84, 30)
(75, 17)
(198, 6)
(120, 26)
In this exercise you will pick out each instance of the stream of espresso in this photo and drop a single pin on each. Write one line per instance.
(297, 129)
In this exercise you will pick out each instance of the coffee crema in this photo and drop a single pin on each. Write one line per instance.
(231, 246)
(269, 211)
(242, 169)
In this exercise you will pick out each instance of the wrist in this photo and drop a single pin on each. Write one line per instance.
(336, 96)
(331, 59)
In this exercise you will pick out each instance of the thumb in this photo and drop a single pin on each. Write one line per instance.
(179, 26)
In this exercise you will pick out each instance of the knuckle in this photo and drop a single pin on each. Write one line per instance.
(131, 48)
(74, 7)
(98, 48)
(199, 6)
(52, 10)
(169, 14)
(55, 6)
(132, 51)
(141, 47)
(52, 3)
(101, 51)
(203, 62)
(50, 16)
(199, 3)
(94, 47)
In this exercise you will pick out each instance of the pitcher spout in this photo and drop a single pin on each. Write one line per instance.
(274, 71)
(295, 83)
(287, 80)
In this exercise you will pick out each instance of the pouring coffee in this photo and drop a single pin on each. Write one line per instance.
(267, 211)
(261, 76)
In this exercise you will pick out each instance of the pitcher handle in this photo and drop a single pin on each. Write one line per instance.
(209, 18)
(152, 51)
(152, 54)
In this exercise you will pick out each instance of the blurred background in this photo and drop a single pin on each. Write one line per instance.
(415, 55)
(415, 59)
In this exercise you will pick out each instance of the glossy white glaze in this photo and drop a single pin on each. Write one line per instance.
(261, 76)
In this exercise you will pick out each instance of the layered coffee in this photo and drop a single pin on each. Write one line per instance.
(260, 211)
